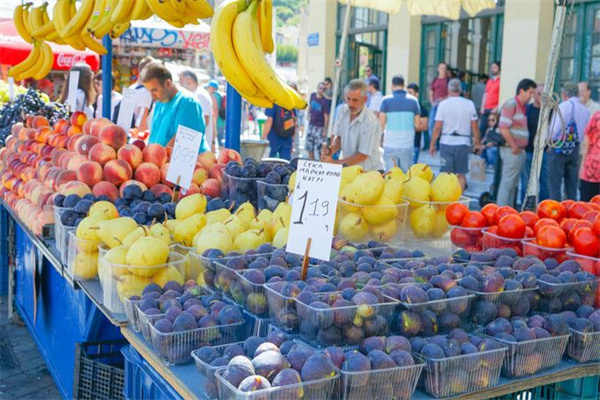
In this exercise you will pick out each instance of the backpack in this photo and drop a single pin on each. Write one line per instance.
(566, 146)
(284, 124)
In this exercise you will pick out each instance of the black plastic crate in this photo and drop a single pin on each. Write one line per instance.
(99, 370)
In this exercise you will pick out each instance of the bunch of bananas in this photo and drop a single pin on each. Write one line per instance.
(181, 12)
(240, 34)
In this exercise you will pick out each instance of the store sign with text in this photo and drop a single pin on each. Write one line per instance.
(165, 38)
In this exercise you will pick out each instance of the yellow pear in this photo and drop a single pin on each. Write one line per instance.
(185, 231)
(216, 227)
(354, 227)
(384, 210)
(116, 258)
(114, 231)
(85, 265)
(394, 190)
(423, 171)
(249, 240)
(281, 237)
(347, 194)
(258, 224)
(350, 173)
(423, 220)
(172, 224)
(214, 240)
(441, 224)
(246, 213)
(131, 285)
(292, 182)
(368, 188)
(105, 207)
(219, 215)
(446, 188)
(265, 215)
(147, 252)
(169, 273)
(276, 225)
(417, 191)
(161, 232)
(139, 232)
(395, 174)
(235, 225)
(88, 227)
(284, 212)
(190, 205)
(384, 232)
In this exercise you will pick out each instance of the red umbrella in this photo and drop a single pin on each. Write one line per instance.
(13, 50)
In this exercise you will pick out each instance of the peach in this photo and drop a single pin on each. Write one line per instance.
(200, 174)
(117, 172)
(227, 155)
(85, 144)
(97, 125)
(163, 175)
(87, 127)
(211, 187)
(73, 140)
(64, 130)
(39, 121)
(78, 118)
(155, 154)
(159, 188)
(192, 190)
(207, 159)
(90, 173)
(64, 177)
(46, 151)
(107, 189)
(131, 154)
(76, 162)
(140, 144)
(14, 130)
(43, 170)
(61, 142)
(216, 172)
(113, 135)
(131, 182)
(74, 130)
(75, 187)
(59, 125)
(148, 174)
(102, 153)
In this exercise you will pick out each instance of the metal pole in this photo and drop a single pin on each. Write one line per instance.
(541, 136)
(338, 67)
(107, 83)
(233, 121)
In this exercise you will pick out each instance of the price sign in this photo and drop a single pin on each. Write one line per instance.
(11, 89)
(184, 156)
(314, 208)
(126, 109)
(73, 85)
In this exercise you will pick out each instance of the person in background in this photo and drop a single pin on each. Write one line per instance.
(115, 97)
(490, 149)
(369, 74)
(589, 183)
(456, 121)
(86, 94)
(143, 101)
(279, 130)
(532, 112)
(375, 96)
(46, 86)
(356, 131)
(174, 107)
(212, 87)
(328, 92)
(513, 127)
(564, 160)
(319, 109)
(421, 127)
(438, 91)
(491, 97)
(189, 80)
(462, 77)
(399, 115)
(478, 92)
(295, 138)
(585, 96)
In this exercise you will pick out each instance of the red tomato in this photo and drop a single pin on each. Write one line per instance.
(567, 224)
(567, 203)
(596, 225)
(579, 224)
(594, 206)
(489, 210)
(529, 233)
(551, 236)
(544, 222)
(586, 242)
(530, 218)
(474, 219)
(551, 209)
(455, 213)
(462, 238)
(578, 210)
(595, 199)
(512, 226)
(502, 211)
(591, 215)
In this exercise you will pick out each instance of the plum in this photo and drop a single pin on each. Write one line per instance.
(402, 358)
(153, 311)
(356, 362)
(520, 308)
(409, 323)
(417, 344)
(452, 348)
(207, 354)
(569, 265)
(469, 282)
(526, 279)
(169, 303)
(493, 282)
(432, 350)
(190, 302)
(230, 315)
(197, 311)
(412, 294)
(184, 322)
(173, 313)
(375, 327)
(173, 285)
(365, 301)
(308, 330)
(329, 336)
(380, 360)
(449, 321)
(583, 325)
(536, 321)
(286, 347)
(148, 303)
(372, 343)
(484, 311)
(497, 326)
(251, 344)
(488, 344)
(570, 301)
(584, 311)
(163, 325)
(289, 377)
(550, 305)
(557, 325)
(238, 369)
(352, 334)
(395, 342)
(219, 362)
(233, 350)
(459, 335)
(318, 366)
(504, 311)
(344, 312)
(430, 321)
(269, 363)
(254, 383)
(336, 355)
(266, 346)
(298, 356)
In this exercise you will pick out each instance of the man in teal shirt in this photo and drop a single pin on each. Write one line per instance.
(173, 107)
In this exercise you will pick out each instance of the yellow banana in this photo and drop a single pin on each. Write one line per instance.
(260, 101)
(45, 64)
(19, 20)
(122, 12)
(96, 17)
(222, 47)
(27, 63)
(119, 29)
(35, 20)
(47, 27)
(139, 9)
(105, 25)
(178, 6)
(163, 11)
(299, 102)
(265, 14)
(200, 8)
(61, 14)
(71, 10)
(79, 19)
(92, 44)
(248, 47)
(147, 13)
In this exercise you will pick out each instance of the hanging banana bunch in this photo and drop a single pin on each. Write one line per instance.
(181, 12)
(239, 39)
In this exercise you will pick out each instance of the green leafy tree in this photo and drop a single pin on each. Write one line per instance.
(287, 53)
(288, 12)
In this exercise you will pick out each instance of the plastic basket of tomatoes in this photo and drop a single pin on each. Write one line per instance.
(465, 227)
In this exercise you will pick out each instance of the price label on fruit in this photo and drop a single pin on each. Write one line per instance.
(314, 208)
(72, 94)
(184, 156)
(126, 109)
(11, 89)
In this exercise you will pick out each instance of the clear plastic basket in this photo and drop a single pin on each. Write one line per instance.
(237, 287)
(237, 186)
(449, 313)
(282, 309)
(392, 231)
(131, 311)
(493, 241)
(82, 261)
(442, 228)
(208, 371)
(270, 195)
(311, 390)
(543, 253)
(514, 302)
(584, 289)
(584, 347)
(61, 234)
(591, 265)
(192, 265)
(468, 239)
(453, 376)
(146, 321)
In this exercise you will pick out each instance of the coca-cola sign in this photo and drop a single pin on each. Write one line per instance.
(66, 61)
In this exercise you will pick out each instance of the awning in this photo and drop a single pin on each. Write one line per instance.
(442, 8)
(13, 50)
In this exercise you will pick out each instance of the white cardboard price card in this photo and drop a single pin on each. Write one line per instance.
(11, 89)
(184, 156)
(72, 95)
(126, 109)
(314, 208)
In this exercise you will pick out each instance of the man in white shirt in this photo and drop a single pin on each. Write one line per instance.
(189, 81)
(115, 97)
(143, 102)
(585, 96)
(456, 121)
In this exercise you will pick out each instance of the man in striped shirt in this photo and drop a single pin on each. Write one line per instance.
(513, 127)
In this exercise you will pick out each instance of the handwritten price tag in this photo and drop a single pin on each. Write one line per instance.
(314, 208)
(184, 156)
(126, 109)
(11, 89)
(73, 85)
